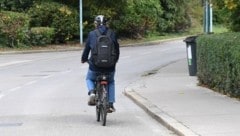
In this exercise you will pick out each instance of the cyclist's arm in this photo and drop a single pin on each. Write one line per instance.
(86, 50)
(114, 37)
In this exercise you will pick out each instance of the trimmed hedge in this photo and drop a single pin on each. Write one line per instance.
(41, 35)
(218, 62)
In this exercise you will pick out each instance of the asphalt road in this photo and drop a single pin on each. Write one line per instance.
(45, 94)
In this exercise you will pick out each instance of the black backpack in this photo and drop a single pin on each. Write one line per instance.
(104, 53)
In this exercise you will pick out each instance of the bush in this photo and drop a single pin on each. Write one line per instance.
(139, 18)
(60, 17)
(41, 35)
(3, 40)
(175, 17)
(234, 19)
(218, 62)
(16, 5)
(14, 27)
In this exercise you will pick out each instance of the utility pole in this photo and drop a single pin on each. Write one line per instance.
(207, 21)
(211, 17)
(80, 22)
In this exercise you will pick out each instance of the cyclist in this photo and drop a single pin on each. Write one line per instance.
(101, 23)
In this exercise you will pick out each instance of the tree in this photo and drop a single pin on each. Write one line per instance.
(16, 5)
(175, 17)
(139, 18)
(230, 10)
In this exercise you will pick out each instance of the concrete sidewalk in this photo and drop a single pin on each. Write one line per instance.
(173, 98)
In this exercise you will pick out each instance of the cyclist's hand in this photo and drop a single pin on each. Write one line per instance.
(83, 61)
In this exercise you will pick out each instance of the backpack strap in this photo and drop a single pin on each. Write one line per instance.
(98, 32)
(109, 32)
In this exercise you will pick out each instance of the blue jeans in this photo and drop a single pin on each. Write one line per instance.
(90, 79)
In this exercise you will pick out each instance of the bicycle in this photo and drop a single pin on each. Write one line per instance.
(101, 99)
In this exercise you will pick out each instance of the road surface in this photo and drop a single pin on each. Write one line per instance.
(45, 94)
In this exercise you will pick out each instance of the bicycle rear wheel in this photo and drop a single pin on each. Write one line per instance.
(98, 112)
(103, 111)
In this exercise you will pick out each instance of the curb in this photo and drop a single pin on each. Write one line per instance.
(159, 115)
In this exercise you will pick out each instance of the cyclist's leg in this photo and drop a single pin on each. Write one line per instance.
(90, 80)
(111, 87)
(111, 92)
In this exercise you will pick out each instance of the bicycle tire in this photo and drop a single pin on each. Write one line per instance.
(104, 105)
(98, 104)
(103, 112)
(98, 113)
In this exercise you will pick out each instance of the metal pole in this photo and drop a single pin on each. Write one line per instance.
(206, 17)
(211, 18)
(81, 24)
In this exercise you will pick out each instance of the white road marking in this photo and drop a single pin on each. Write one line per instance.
(14, 62)
(15, 89)
(30, 83)
(19, 87)
(45, 77)
(145, 53)
(124, 57)
(65, 72)
(1, 96)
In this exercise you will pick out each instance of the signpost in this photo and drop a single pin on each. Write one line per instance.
(207, 19)
(80, 22)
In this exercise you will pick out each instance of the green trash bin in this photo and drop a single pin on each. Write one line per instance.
(191, 55)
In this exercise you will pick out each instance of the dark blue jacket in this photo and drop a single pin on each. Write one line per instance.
(91, 42)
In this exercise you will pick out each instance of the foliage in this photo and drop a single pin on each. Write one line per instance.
(72, 3)
(139, 18)
(14, 27)
(218, 62)
(41, 35)
(130, 18)
(175, 17)
(60, 17)
(16, 5)
(108, 8)
(235, 18)
(231, 4)
(229, 11)
(3, 40)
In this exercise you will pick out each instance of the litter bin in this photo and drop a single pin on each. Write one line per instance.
(191, 55)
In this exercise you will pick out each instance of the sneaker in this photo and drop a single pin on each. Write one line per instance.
(91, 101)
(111, 108)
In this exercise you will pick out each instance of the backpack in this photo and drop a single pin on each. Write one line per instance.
(104, 53)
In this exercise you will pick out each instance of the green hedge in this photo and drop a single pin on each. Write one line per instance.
(14, 28)
(218, 62)
(41, 35)
(62, 18)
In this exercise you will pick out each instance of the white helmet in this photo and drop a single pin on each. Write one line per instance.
(100, 20)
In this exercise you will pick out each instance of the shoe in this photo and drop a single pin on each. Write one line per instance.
(111, 108)
(91, 101)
